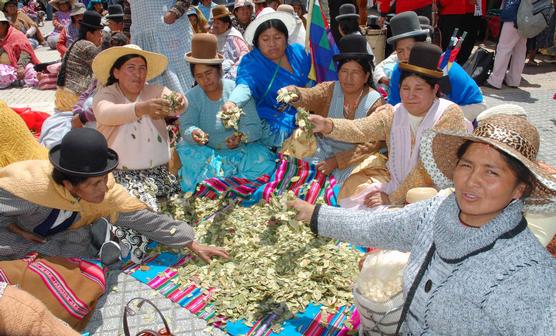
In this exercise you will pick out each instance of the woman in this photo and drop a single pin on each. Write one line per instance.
(76, 73)
(97, 6)
(474, 268)
(198, 22)
(401, 126)
(23, 23)
(171, 38)
(511, 46)
(130, 114)
(271, 65)
(351, 97)
(225, 154)
(16, 56)
(60, 19)
(70, 33)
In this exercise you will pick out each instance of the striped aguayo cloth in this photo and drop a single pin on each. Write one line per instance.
(160, 274)
(303, 178)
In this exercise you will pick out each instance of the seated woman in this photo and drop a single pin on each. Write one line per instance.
(351, 97)
(70, 33)
(271, 65)
(60, 19)
(209, 149)
(61, 208)
(23, 23)
(16, 57)
(130, 114)
(76, 73)
(478, 233)
(401, 126)
(458, 86)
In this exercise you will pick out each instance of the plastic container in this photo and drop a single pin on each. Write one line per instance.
(377, 40)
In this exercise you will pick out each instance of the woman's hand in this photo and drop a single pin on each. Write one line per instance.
(233, 141)
(26, 235)
(376, 198)
(384, 80)
(206, 252)
(304, 209)
(182, 104)
(228, 106)
(156, 108)
(20, 72)
(199, 136)
(321, 124)
(169, 17)
(327, 166)
(76, 121)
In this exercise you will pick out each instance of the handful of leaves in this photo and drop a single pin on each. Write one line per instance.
(172, 99)
(286, 96)
(270, 266)
(302, 143)
(230, 119)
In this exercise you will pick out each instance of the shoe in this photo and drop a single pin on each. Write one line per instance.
(511, 86)
(110, 253)
(488, 85)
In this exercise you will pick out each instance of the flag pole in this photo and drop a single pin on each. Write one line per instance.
(308, 29)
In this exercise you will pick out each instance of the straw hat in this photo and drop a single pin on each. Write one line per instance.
(220, 11)
(404, 25)
(204, 50)
(511, 134)
(3, 17)
(78, 9)
(242, 3)
(103, 62)
(286, 18)
(423, 60)
(56, 3)
(508, 109)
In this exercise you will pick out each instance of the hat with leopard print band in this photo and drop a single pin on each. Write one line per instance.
(511, 134)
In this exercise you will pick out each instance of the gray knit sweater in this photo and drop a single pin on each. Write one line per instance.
(476, 283)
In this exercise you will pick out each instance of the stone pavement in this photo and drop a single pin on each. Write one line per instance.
(535, 95)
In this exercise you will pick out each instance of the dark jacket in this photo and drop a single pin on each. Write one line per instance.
(509, 12)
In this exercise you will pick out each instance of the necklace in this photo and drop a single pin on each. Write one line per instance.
(349, 109)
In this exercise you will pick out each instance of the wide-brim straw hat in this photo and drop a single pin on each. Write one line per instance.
(103, 62)
(286, 18)
(78, 9)
(513, 135)
(56, 3)
(243, 3)
(204, 50)
(405, 25)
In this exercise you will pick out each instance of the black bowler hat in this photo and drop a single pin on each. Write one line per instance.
(91, 19)
(347, 11)
(353, 46)
(83, 152)
(404, 25)
(423, 60)
(115, 12)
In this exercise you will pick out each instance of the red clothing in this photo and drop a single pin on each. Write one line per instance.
(14, 43)
(450, 7)
(403, 5)
(62, 40)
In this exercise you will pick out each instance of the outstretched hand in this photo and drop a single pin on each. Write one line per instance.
(304, 209)
(206, 252)
(321, 124)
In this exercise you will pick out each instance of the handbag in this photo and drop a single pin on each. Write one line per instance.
(479, 65)
(147, 332)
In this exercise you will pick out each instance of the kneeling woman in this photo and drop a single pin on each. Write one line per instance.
(130, 114)
(474, 268)
(208, 148)
(401, 126)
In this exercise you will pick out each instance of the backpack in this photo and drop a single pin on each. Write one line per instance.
(479, 65)
(533, 16)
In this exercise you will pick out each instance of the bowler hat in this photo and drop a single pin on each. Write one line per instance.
(115, 12)
(204, 50)
(423, 60)
(404, 25)
(83, 152)
(91, 19)
(220, 11)
(353, 46)
(347, 11)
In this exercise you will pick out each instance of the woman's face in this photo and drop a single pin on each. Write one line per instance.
(272, 44)
(131, 76)
(243, 14)
(11, 9)
(98, 7)
(352, 77)
(485, 184)
(115, 26)
(76, 18)
(64, 7)
(298, 10)
(417, 95)
(95, 37)
(219, 27)
(193, 19)
(208, 78)
(403, 48)
(91, 190)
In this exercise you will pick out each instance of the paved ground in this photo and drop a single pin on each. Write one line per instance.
(535, 95)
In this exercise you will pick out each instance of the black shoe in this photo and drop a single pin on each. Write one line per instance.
(510, 86)
(488, 85)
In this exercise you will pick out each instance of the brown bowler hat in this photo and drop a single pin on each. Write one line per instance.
(423, 60)
(220, 11)
(203, 50)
